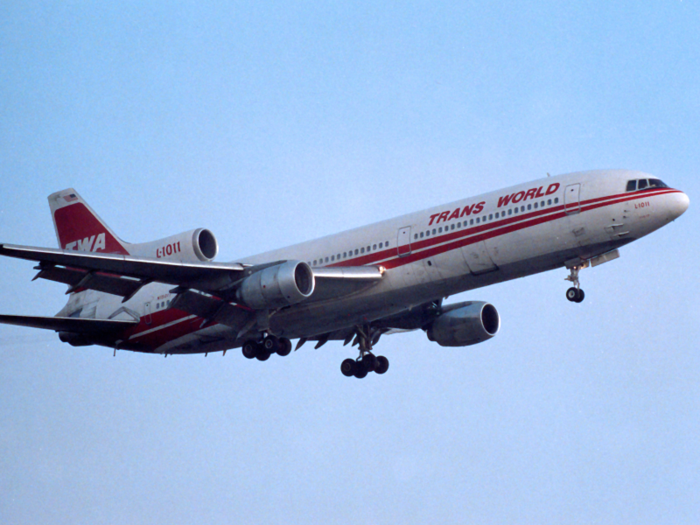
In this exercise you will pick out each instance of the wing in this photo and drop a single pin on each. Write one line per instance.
(124, 275)
(68, 324)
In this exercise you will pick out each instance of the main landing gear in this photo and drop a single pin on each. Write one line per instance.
(262, 350)
(575, 294)
(366, 362)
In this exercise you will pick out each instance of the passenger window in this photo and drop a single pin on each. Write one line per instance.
(332, 258)
(427, 233)
(421, 235)
(549, 202)
(374, 246)
(477, 220)
(380, 245)
(631, 185)
(362, 250)
(471, 222)
(522, 208)
(556, 200)
(357, 251)
(453, 227)
(529, 206)
(642, 184)
(510, 212)
(314, 262)
(535, 205)
(433, 231)
(440, 230)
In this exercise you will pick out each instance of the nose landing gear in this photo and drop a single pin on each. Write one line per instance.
(575, 294)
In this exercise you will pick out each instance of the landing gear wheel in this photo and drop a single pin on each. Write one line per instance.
(284, 346)
(261, 353)
(382, 365)
(347, 367)
(575, 295)
(360, 370)
(369, 362)
(271, 344)
(249, 349)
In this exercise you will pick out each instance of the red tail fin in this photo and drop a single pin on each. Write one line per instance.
(78, 227)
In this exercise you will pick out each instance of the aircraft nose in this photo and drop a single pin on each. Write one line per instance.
(678, 205)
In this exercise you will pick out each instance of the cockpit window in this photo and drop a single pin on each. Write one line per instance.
(641, 184)
(656, 183)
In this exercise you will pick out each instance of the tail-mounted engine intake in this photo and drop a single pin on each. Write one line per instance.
(192, 246)
(465, 324)
(277, 286)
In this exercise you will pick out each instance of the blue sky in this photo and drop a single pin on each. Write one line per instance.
(273, 123)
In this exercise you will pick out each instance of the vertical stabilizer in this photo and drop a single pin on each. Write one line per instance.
(78, 227)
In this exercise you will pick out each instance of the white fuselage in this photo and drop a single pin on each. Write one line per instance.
(430, 254)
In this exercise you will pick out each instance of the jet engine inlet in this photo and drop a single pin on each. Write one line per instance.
(205, 245)
(277, 286)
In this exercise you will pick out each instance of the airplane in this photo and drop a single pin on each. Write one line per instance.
(170, 297)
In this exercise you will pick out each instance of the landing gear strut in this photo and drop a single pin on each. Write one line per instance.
(366, 362)
(575, 293)
(262, 350)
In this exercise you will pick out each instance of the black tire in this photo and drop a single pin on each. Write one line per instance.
(360, 370)
(261, 354)
(382, 365)
(249, 349)
(572, 294)
(271, 344)
(284, 346)
(347, 367)
(369, 362)
(580, 297)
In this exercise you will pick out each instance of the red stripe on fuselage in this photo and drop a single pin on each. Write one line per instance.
(167, 325)
(389, 258)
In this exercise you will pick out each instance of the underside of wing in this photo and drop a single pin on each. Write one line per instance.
(68, 324)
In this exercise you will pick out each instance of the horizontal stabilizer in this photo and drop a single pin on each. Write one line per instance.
(68, 324)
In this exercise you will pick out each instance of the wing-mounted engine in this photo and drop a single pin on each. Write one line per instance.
(277, 286)
(191, 246)
(465, 324)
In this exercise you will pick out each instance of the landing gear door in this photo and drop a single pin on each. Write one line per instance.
(403, 241)
(572, 204)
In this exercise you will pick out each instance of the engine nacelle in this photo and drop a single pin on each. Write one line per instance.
(74, 339)
(465, 324)
(192, 246)
(277, 286)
